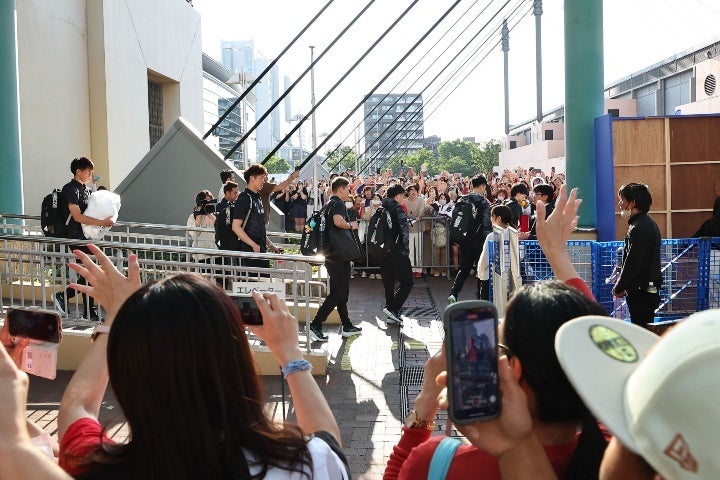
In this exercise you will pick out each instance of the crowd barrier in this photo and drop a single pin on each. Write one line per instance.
(690, 268)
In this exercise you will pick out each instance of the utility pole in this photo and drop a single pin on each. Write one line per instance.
(505, 36)
(314, 130)
(538, 11)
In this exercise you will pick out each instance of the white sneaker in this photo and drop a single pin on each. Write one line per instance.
(363, 274)
(392, 317)
(371, 276)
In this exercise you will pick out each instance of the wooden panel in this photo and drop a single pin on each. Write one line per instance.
(695, 186)
(651, 175)
(694, 139)
(687, 223)
(639, 141)
(621, 225)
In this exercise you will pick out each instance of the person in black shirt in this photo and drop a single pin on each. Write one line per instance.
(249, 218)
(73, 202)
(338, 270)
(397, 264)
(641, 278)
(471, 249)
(225, 238)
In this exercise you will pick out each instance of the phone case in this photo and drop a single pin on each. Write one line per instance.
(460, 306)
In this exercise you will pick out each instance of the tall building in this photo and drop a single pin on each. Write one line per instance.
(240, 56)
(221, 88)
(393, 125)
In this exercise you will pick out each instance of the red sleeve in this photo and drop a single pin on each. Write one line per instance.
(411, 438)
(82, 438)
(411, 458)
(580, 284)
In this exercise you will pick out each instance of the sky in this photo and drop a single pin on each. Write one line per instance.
(637, 34)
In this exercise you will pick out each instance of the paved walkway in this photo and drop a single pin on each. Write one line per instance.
(372, 379)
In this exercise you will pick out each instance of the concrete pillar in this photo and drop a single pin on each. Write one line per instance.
(583, 100)
(11, 200)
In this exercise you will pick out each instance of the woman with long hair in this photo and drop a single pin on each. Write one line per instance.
(536, 435)
(179, 362)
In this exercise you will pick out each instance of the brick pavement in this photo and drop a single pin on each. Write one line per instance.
(363, 384)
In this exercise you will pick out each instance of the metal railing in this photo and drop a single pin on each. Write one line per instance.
(33, 268)
(690, 269)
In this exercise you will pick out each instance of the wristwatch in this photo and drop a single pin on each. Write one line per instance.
(412, 421)
(98, 330)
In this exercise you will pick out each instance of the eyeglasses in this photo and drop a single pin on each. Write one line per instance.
(504, 350)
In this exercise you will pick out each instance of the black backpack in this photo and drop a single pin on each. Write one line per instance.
(379, 232)
(52, 221)
(463, 224)
(314, 239)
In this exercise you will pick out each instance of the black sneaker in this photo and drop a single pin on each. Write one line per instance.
(60, 302)
(317, 334)
(350, 331)
(93, 317)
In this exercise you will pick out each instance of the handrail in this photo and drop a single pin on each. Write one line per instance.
(158, 226)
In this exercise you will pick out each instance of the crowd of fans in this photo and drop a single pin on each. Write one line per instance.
(430, 203)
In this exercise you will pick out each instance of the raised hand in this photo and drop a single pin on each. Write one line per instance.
(106, 284)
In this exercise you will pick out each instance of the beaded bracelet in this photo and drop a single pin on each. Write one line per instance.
(296, 366)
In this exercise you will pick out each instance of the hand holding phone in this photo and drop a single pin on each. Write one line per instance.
(472, 366)
(43, 325)
(249, 311)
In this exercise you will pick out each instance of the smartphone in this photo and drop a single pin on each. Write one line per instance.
(249, 311)
(471, 336)
(42, 325)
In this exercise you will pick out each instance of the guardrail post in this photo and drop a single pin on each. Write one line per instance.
(703, 294)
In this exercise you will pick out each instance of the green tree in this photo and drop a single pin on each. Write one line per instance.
(457, 165)
(277, 164)
(489, 156)
(345, 155)
(422, 156)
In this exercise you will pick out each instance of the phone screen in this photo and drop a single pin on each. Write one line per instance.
(36, 324)
(249, 311)
(472, 362)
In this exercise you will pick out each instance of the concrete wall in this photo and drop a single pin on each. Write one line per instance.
(54, 103)
(162, 187)
(83, 70)
(160, 39)
(545, 154)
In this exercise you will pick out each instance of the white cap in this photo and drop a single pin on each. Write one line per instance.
(662, 404)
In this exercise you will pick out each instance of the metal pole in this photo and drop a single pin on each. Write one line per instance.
(11, 193)
(314, 130)
(505, 38)
(537, 11)
(243, 113)
(584, 92)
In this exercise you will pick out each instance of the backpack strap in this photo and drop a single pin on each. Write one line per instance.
(244, 225)
(442, 458)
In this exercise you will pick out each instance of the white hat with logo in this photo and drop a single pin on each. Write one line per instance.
(660, 398)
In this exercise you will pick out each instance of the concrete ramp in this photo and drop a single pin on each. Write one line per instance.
(162, 187)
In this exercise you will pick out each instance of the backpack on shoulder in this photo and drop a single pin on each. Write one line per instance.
(314, 237)
(52, 222)
(462, 224)
(379, 231)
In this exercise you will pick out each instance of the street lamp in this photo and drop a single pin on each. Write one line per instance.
(297, 118)
(314, 131)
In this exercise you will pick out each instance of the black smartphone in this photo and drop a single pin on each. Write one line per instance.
(43, 325)
(249, 311)
(471, 336)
